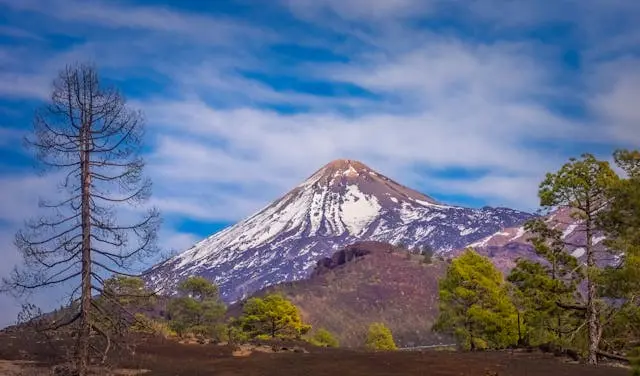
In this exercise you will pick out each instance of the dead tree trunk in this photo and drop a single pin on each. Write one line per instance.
(85, 304)
(88, 133)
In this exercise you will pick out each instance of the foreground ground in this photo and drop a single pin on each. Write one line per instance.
(168, 358)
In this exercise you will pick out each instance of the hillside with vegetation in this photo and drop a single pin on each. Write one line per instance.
(371, 282)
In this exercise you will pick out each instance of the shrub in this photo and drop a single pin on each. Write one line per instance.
(146, 325)
(380, 338)
(324, 338)
(272, 316)
(634, 360)
(199, 310)
(236, 336)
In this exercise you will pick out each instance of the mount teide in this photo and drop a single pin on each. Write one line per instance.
(343, 202)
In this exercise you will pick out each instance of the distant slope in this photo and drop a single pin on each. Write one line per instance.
(343, 202)
(507, 245)
(369, 282)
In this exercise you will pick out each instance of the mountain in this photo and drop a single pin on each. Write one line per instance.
(369, 282)
(507, 245)
(341, 203)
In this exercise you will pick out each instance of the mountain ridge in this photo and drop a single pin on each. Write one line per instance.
(343, 202)
(507, 245)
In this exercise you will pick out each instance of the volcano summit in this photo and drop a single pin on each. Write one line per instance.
(343, 202)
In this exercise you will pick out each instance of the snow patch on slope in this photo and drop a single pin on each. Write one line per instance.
(569, 230)
(358, 210)
(578, 252)
(519, 233)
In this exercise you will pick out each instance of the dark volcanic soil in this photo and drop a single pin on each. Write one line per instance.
(168, 358)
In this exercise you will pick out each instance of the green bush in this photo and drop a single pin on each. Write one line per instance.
(324, 338)
(380, 338)
(273, 316)
(198, 310)
(634, 360)
(236, 335)
(146, 325)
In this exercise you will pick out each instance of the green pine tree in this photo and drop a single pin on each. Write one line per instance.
(544, 290)
(582, 185)
(199, 309)
(621, 222)
(475, 306)
(324, 338)
(273, 316)
(380, 337)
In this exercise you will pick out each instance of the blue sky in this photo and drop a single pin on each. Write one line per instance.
(468, 101)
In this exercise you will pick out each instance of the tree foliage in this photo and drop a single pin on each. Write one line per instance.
(566, 302)
(542, 289)
(582, 185)
(198, 310)
(324, 338)
(379, 337)
(475, 305)
(119, 305)
(273, 316)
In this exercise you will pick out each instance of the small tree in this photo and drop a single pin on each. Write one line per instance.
(117, 308)
(274, 316)
(324, 338)
(380, 337)
(634, 360)
(475, 305)
(427, 254)
(198, 310)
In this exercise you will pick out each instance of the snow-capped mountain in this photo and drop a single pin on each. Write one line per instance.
(343, 202)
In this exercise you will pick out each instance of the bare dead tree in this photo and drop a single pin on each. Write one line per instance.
(90, 137)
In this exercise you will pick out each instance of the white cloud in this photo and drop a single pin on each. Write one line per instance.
(440, 99)
(617, 101)
(117, 16)
(359, 9)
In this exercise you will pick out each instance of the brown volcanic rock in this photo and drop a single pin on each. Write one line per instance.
(370, 282)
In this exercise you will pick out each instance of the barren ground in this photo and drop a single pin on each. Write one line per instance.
(168, 358)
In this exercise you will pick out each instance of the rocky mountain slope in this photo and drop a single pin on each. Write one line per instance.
(507, 245)
(343, 202)
(369, 282)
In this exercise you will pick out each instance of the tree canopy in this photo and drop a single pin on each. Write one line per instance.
(379, 337)
(274, 316)
(198, 309)
(475, 305)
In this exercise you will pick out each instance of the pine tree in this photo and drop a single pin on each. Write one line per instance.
(379, 337)
(621, 281)
(273, 316)
(545, 288)
(324, 338)
(475, 306)
(199, 309)
(582, 184)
